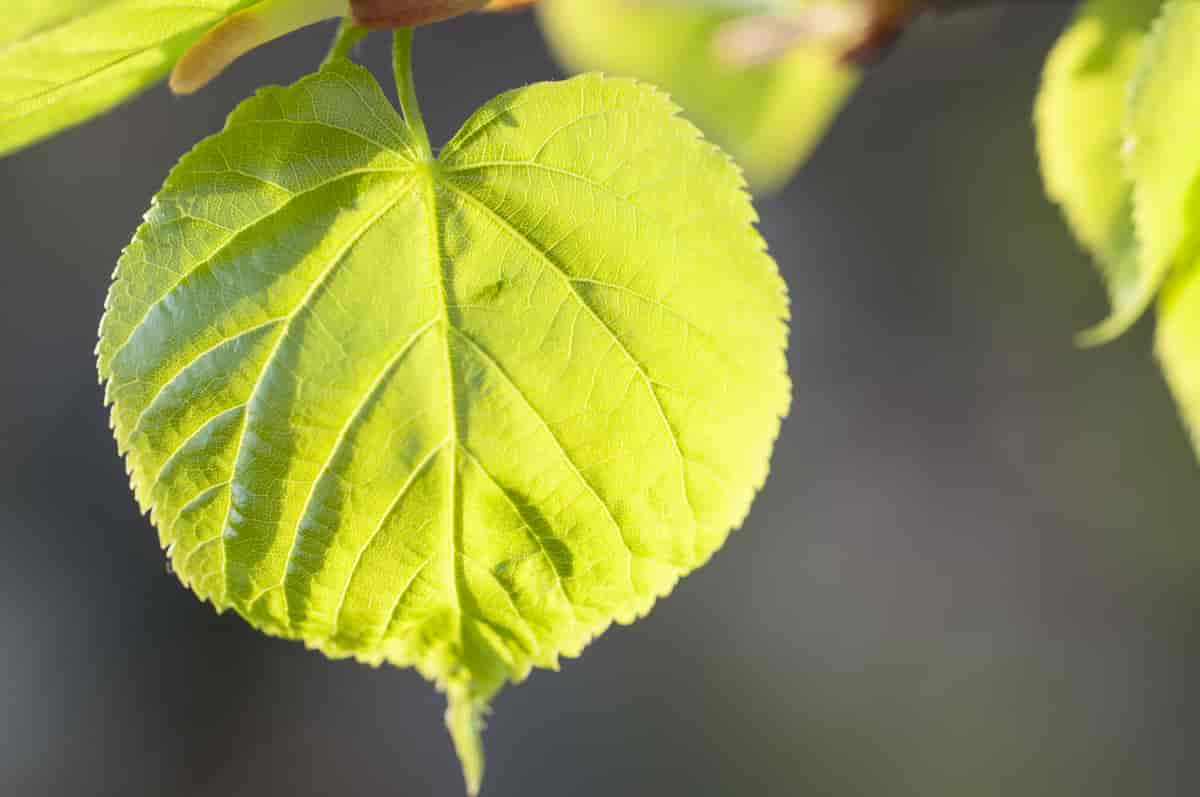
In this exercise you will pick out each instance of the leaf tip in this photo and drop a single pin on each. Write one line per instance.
(1128, 309)
(1107, 330)
(464, 720)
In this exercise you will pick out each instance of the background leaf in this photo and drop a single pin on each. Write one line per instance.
(459, 415)
(1163, 160)
(1080, 119)
(768, 116)
(1178, 344)
(64, 62)
(1161, 157)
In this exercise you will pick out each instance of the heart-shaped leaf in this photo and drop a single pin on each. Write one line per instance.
(456, 413)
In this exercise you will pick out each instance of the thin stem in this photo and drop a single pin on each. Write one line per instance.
(348, 35)
(402, 64)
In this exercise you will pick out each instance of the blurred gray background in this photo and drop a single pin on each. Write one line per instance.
(973, 571)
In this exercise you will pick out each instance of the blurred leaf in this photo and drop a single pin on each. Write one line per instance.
(1080, 119)
(769, 116)
(63, 62)
(1178, 344)
(26, 17)
(1161, 155)
(1164, 162)
(459, 415)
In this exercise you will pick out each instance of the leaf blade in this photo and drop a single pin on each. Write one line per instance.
(768, 116)
(1080, 119)
(61, 64)
(459, 415)
(1160, 161)
(1176, 346)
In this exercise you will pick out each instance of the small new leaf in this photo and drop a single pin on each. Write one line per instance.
(457, 414)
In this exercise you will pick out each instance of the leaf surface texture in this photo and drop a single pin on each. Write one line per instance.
(64, 61)
(459, 415)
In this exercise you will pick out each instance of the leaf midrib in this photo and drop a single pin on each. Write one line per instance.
(428, 178)
(425, 176)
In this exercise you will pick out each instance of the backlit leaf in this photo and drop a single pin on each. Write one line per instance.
(398, 13)
(64, 61)
(1165, 165)
(457, 415)
(22, 18)
(1161, 156)
(769, 116)
(1178, 344)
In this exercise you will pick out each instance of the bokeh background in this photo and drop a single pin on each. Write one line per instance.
(974, 570)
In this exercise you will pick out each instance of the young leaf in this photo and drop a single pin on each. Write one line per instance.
(458, 414)
(1160, 153)
(64, 62)
(769, 116)
(1080, 119)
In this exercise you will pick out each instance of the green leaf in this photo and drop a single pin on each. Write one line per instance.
(1166, 165)
(65, 61)
(1178, 344)
(768, 116)
(1160, 154)
(1080, 119)
(24, 18)
(457, 414)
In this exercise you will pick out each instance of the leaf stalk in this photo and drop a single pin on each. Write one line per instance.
(348, 35)
(402, 65)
